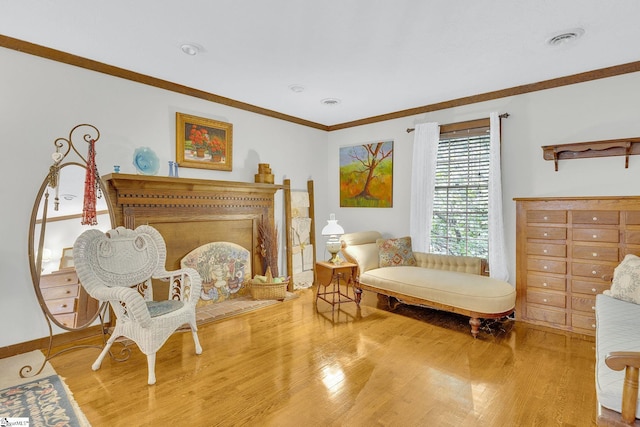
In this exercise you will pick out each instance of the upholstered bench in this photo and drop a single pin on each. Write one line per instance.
(451, 283)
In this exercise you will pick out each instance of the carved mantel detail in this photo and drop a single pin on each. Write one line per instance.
(191, 212)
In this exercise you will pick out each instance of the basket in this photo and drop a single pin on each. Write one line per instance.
(269, 290)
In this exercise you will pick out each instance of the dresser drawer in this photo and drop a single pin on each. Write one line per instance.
(595, 217)
(547, 282)
(597, 271)
(556, 317)
(583, 322)
(68, 320)
(62, 305)
(59, 278)
(60, 292)
(551, 217)
(591, 288)
(632, 236)
(547, 266)
(547, 249)
(596, 235)
(549, 233)
(586, 304)
(603, 253)
(546, 298)
(631, 217)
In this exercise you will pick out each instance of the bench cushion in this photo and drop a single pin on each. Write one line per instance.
(616, 330)
(471, 292)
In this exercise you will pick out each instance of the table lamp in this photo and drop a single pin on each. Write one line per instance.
(333, 230)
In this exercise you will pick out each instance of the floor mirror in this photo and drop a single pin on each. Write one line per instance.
(64, 207)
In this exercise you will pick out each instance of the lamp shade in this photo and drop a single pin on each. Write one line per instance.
(332, 228)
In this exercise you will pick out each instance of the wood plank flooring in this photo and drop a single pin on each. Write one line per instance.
(297, 365)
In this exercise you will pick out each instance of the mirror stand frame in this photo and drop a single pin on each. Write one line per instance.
(35, 259)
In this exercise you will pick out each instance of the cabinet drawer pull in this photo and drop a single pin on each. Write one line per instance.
(593, 307)
(593, 325)
(545, 267)
(546, 218)
(544, 300)
(595, 236)
(544, 251)
(595, 254)
(64, 306)
(545, 234)
(594, 272)
(594, 290)
(545, 284)
(595, 218)
(68, 292)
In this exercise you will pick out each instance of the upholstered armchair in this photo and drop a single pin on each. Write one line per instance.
(117, 267)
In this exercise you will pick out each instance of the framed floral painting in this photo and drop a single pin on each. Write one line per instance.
(366, 175)
(203, 143)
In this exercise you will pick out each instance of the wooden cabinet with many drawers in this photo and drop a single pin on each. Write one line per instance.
(66, 299)
(566, 251)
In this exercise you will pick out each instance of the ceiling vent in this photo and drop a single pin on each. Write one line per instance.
(565, 37)
(330, 101)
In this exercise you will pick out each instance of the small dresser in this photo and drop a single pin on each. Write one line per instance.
(566, 251)
(66, 299)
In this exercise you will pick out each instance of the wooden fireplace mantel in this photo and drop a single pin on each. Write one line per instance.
(191, 212)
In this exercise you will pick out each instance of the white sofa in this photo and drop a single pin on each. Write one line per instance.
(444, 282)
(617, 355)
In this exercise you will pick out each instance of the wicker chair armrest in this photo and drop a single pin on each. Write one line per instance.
(185, 284)
(135, 304)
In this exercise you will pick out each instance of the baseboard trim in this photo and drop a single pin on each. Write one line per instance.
(43, 343)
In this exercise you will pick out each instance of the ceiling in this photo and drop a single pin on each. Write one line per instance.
(374, 56)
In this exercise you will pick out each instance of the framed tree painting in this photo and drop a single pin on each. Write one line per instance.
(203, 143)
(366, 175)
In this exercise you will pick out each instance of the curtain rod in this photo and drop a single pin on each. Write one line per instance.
(502, 116)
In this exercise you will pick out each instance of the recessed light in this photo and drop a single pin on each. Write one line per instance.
(191, 49)
(331, 101)
(565, 37)
(296, 88)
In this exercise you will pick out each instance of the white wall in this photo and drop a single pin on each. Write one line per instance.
(597, 110)
(41, 100)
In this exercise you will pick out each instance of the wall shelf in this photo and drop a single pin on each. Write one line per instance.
(581, 150)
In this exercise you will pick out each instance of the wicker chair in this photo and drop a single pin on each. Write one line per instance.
(118, 267)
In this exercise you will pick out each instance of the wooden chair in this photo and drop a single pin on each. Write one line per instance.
(118, 267)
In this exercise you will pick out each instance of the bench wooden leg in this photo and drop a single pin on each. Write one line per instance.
(475, 326)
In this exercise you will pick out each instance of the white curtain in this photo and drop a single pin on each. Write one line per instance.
(423, 182)
(497, 251)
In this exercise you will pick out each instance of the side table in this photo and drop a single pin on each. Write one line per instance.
(330, 277)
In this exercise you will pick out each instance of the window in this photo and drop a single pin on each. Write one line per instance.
(461, 199)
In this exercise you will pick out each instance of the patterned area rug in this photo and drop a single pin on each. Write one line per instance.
(43, 400)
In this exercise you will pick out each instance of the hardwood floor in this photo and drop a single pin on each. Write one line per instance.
(295, 365)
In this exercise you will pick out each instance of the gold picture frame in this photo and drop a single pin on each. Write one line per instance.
(203, 143)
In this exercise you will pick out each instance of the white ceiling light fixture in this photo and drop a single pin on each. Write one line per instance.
(331, 101)
(296, 88)
(191, 49)
(565, 37)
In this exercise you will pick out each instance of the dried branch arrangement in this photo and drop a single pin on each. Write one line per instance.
(268, 240)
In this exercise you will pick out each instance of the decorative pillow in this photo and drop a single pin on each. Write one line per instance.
(395, 252)
(626, 280)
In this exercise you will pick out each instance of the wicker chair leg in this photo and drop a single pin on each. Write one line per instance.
(151, 362)
(103, 353)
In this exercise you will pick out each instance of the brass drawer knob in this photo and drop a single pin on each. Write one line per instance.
(595, 218)
(594, 290)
